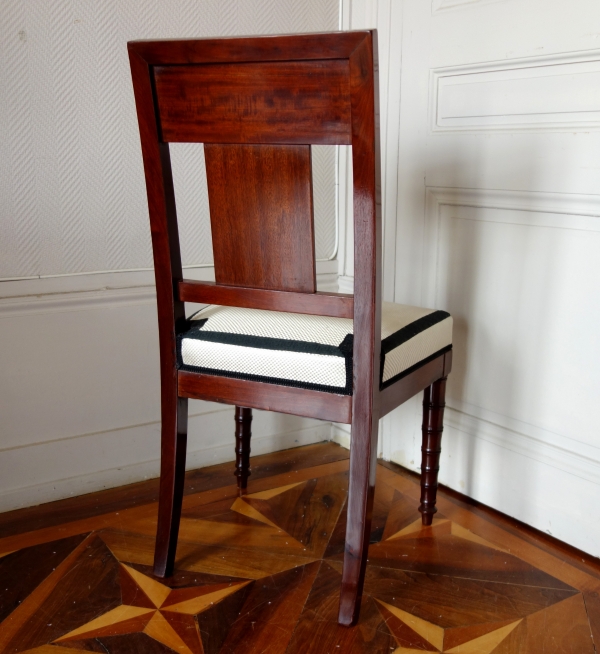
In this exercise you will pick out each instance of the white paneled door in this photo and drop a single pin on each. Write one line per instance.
(498, 221)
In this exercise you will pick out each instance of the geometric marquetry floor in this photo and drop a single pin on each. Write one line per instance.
(262, 574)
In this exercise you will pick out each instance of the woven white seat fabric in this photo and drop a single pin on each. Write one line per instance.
(305, 351)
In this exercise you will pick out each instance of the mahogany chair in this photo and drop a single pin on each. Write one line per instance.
(270, 340)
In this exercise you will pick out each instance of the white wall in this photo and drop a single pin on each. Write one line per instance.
(80, 391)
(490, 208)
(79, 394)
(491, 141)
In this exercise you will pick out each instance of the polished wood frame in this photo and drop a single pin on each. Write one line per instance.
(336, 77)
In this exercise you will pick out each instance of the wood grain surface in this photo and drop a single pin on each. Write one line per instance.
(261, 215)
(262, 572)
(272, 397)
(336, 305)
(255, 102)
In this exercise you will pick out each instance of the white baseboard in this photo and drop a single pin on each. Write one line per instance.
(546, 447)
(540, 478)
(340, 434)
(80, 384)
(533, 491)
(346, 284)
(43, 472)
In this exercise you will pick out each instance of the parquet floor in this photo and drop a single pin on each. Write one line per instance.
(262, 573)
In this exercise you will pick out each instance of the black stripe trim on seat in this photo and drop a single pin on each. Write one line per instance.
(344, 350)
(410, 331)
(192, 323)
(264, 342)
(417, 365)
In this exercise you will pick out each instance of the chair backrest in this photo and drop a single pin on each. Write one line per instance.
(258, 104)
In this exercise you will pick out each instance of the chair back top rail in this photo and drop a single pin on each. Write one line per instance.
(255, 102)
(240, 49)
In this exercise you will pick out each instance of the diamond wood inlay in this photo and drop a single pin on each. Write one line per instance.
(261, 573)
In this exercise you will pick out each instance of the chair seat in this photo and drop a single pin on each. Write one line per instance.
(315, 352)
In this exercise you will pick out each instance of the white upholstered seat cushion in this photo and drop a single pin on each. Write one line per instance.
(307, 351)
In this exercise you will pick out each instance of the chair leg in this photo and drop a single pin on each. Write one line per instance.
(172, 476)
(363, 464)
(243, 420)
(433, 424)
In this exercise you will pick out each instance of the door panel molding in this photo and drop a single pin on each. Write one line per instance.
(522, 209)
(439, 6)
(559, 92)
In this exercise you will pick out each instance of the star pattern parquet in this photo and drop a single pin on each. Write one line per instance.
(261, 573)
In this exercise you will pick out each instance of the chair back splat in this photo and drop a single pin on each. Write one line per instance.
(262, 216)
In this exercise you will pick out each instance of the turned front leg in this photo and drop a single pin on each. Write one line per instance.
(433, 425)
(243, 432)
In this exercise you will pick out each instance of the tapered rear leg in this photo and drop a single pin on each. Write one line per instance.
(433, 424)
(363, 462)
(243, 433)
(172, 477)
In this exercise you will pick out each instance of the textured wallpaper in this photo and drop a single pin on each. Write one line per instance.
(72, 196)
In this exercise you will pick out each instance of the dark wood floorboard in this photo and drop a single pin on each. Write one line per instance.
(261, 574)
(543, 541)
